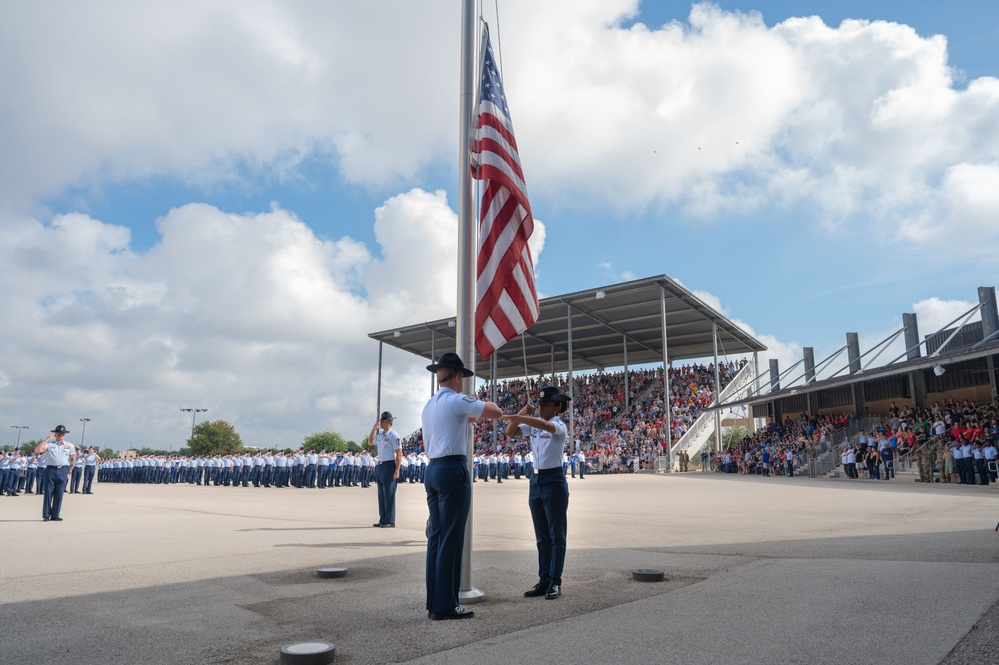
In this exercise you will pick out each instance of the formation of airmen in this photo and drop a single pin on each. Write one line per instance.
(25, 473)
(500, 466)
(303, 469)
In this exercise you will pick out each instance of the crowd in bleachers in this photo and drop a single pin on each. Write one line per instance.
(948, 441)
(620, 435)
(779, 448)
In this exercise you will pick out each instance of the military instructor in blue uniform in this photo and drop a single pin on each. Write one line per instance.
(389, 447)
(448, 483)
(548, 496)
(60, 458)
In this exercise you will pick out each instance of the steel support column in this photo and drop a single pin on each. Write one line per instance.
(378, 398)
(666, 405)
(569, 387)
(627, 383)
(718, 431)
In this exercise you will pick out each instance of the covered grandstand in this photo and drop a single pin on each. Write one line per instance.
(641, 322)
(656, 321)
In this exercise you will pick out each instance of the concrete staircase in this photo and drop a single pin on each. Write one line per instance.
(703, 428)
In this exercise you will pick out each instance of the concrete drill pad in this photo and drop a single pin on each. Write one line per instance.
(223, 575)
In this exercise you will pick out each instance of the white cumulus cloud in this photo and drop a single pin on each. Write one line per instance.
(252, 316)
(256, 316)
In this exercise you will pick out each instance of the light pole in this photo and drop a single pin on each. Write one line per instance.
(194, 414)
(18, 428)
(84, 433)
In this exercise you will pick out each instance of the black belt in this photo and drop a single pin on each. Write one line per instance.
(388, 461)
(548, 472)
(449, 458)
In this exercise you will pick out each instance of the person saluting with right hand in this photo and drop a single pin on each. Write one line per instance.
(549, 491)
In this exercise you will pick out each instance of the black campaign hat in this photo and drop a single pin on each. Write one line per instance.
(385, 416)
(551, 395)
(60, 429)
(451, 361)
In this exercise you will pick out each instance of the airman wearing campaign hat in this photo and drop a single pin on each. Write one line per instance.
(450, 361)
(551, 395)
(59, 454)
(447, 482)
(388, 446)
(548, 494)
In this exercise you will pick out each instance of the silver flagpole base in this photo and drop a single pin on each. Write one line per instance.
(471, 596)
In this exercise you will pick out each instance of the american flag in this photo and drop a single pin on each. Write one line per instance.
(506, 299)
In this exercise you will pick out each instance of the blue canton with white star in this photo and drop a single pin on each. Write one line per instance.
(492, 84)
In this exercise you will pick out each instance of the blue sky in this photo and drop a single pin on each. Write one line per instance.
(212, 205)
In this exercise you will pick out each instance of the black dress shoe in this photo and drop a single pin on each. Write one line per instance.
(56, 519)
(377, 525)
(457, 613)
(388, 526)
(538, 589)
(554, 591)
(45, 519)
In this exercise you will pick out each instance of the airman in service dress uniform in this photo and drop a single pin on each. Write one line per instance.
(90, 460)
(447, 482)
(549, 492)
(389, 447)
(60, 458)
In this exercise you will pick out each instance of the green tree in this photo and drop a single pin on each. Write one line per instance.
(27, 445)
(733, 435)
(364, 444)
(215, 437)
(327, 441)
(107, 453)
(142, 452)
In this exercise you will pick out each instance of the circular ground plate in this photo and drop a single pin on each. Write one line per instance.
(331, 572)
(308, 653)
(648, 575)
(471, 596)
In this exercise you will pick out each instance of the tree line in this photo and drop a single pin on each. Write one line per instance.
(218, 437)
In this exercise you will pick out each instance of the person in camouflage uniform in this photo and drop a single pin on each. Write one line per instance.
(917, 454)
(926, 462)
(936, 454)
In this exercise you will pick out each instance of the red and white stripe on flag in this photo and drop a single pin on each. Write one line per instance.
(506, 298)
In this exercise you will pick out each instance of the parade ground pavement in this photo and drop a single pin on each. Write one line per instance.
(758, 570)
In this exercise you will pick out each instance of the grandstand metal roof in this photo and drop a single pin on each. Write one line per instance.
(630, 311)
(945, 359)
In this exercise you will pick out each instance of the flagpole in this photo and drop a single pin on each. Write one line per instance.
(466, 263)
